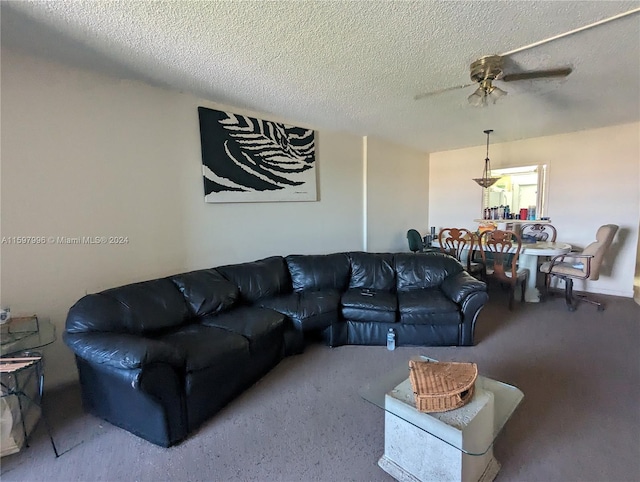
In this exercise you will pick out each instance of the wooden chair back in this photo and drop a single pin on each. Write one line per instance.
(500, 251)
(542, 232)
(454, 241)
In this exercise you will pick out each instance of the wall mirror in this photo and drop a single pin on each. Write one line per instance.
(518, 187)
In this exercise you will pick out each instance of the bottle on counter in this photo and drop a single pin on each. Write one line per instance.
(391, 339)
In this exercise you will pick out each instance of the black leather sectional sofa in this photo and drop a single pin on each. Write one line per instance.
(160, 357)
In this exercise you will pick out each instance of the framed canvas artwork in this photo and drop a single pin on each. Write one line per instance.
(253, 160)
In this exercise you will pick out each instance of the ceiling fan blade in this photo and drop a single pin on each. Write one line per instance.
(441, 91)
(537, 74)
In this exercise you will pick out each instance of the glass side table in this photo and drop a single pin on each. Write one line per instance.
(452, 445)
(22, 379)
(25, 333)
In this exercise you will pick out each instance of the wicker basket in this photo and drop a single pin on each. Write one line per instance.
(442, 386)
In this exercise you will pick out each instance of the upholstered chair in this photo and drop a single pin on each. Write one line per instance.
(584, 265)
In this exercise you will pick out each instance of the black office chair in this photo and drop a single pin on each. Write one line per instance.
(416, 244)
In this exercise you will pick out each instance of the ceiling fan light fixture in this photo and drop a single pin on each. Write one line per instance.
(486, 91)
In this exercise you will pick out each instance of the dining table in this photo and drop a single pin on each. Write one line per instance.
(529, 258)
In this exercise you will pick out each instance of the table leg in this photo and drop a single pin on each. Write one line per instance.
(530, 262)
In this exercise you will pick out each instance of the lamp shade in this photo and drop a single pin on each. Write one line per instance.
(477, 99)
(495, 93)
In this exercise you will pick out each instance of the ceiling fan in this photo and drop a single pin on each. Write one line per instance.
(489, 68)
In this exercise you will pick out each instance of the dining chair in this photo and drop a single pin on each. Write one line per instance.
(500, 251)
(542, 232)
(462, 244)
(539, 232)
(584, 265)
(416, 244)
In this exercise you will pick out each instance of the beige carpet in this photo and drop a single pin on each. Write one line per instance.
(304, 421)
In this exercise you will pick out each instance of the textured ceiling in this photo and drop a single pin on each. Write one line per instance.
(357, 65)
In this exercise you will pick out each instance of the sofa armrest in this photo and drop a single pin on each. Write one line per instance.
(461, 285)
(471, 294)
(120, 350)
(471, 308)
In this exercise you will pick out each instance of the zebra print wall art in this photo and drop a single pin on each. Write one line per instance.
(252, 160)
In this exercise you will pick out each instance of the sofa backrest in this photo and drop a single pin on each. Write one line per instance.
(372, 270)
(316, 272)
(258, 279)
(423, 270)
(206, 291)
(139, 308)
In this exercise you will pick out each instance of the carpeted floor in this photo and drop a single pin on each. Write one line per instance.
(304, 421)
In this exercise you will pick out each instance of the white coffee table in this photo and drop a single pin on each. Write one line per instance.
(456, 445)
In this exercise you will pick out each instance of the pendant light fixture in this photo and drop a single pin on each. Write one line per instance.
(486, 180)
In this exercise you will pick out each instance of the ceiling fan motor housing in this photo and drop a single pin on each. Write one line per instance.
(488, 67)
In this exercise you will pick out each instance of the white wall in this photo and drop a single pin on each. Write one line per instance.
(593, 180)
(88, 155)
(397, 193)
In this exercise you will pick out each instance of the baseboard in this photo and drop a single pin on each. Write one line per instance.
(622, 294)
(558, 285)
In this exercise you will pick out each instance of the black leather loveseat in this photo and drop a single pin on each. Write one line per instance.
(160, 357)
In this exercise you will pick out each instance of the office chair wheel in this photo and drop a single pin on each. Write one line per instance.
(600, 307)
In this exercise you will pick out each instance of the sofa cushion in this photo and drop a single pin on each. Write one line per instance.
(362, 314)
(263, 328)
(308, 310)
(420, 271)
(259, 279)
(429, 307)
(319, 272)
(248, 321)
(206, 291)
(372, 270)
(369, 305)
(205, 346)
(139, 308)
